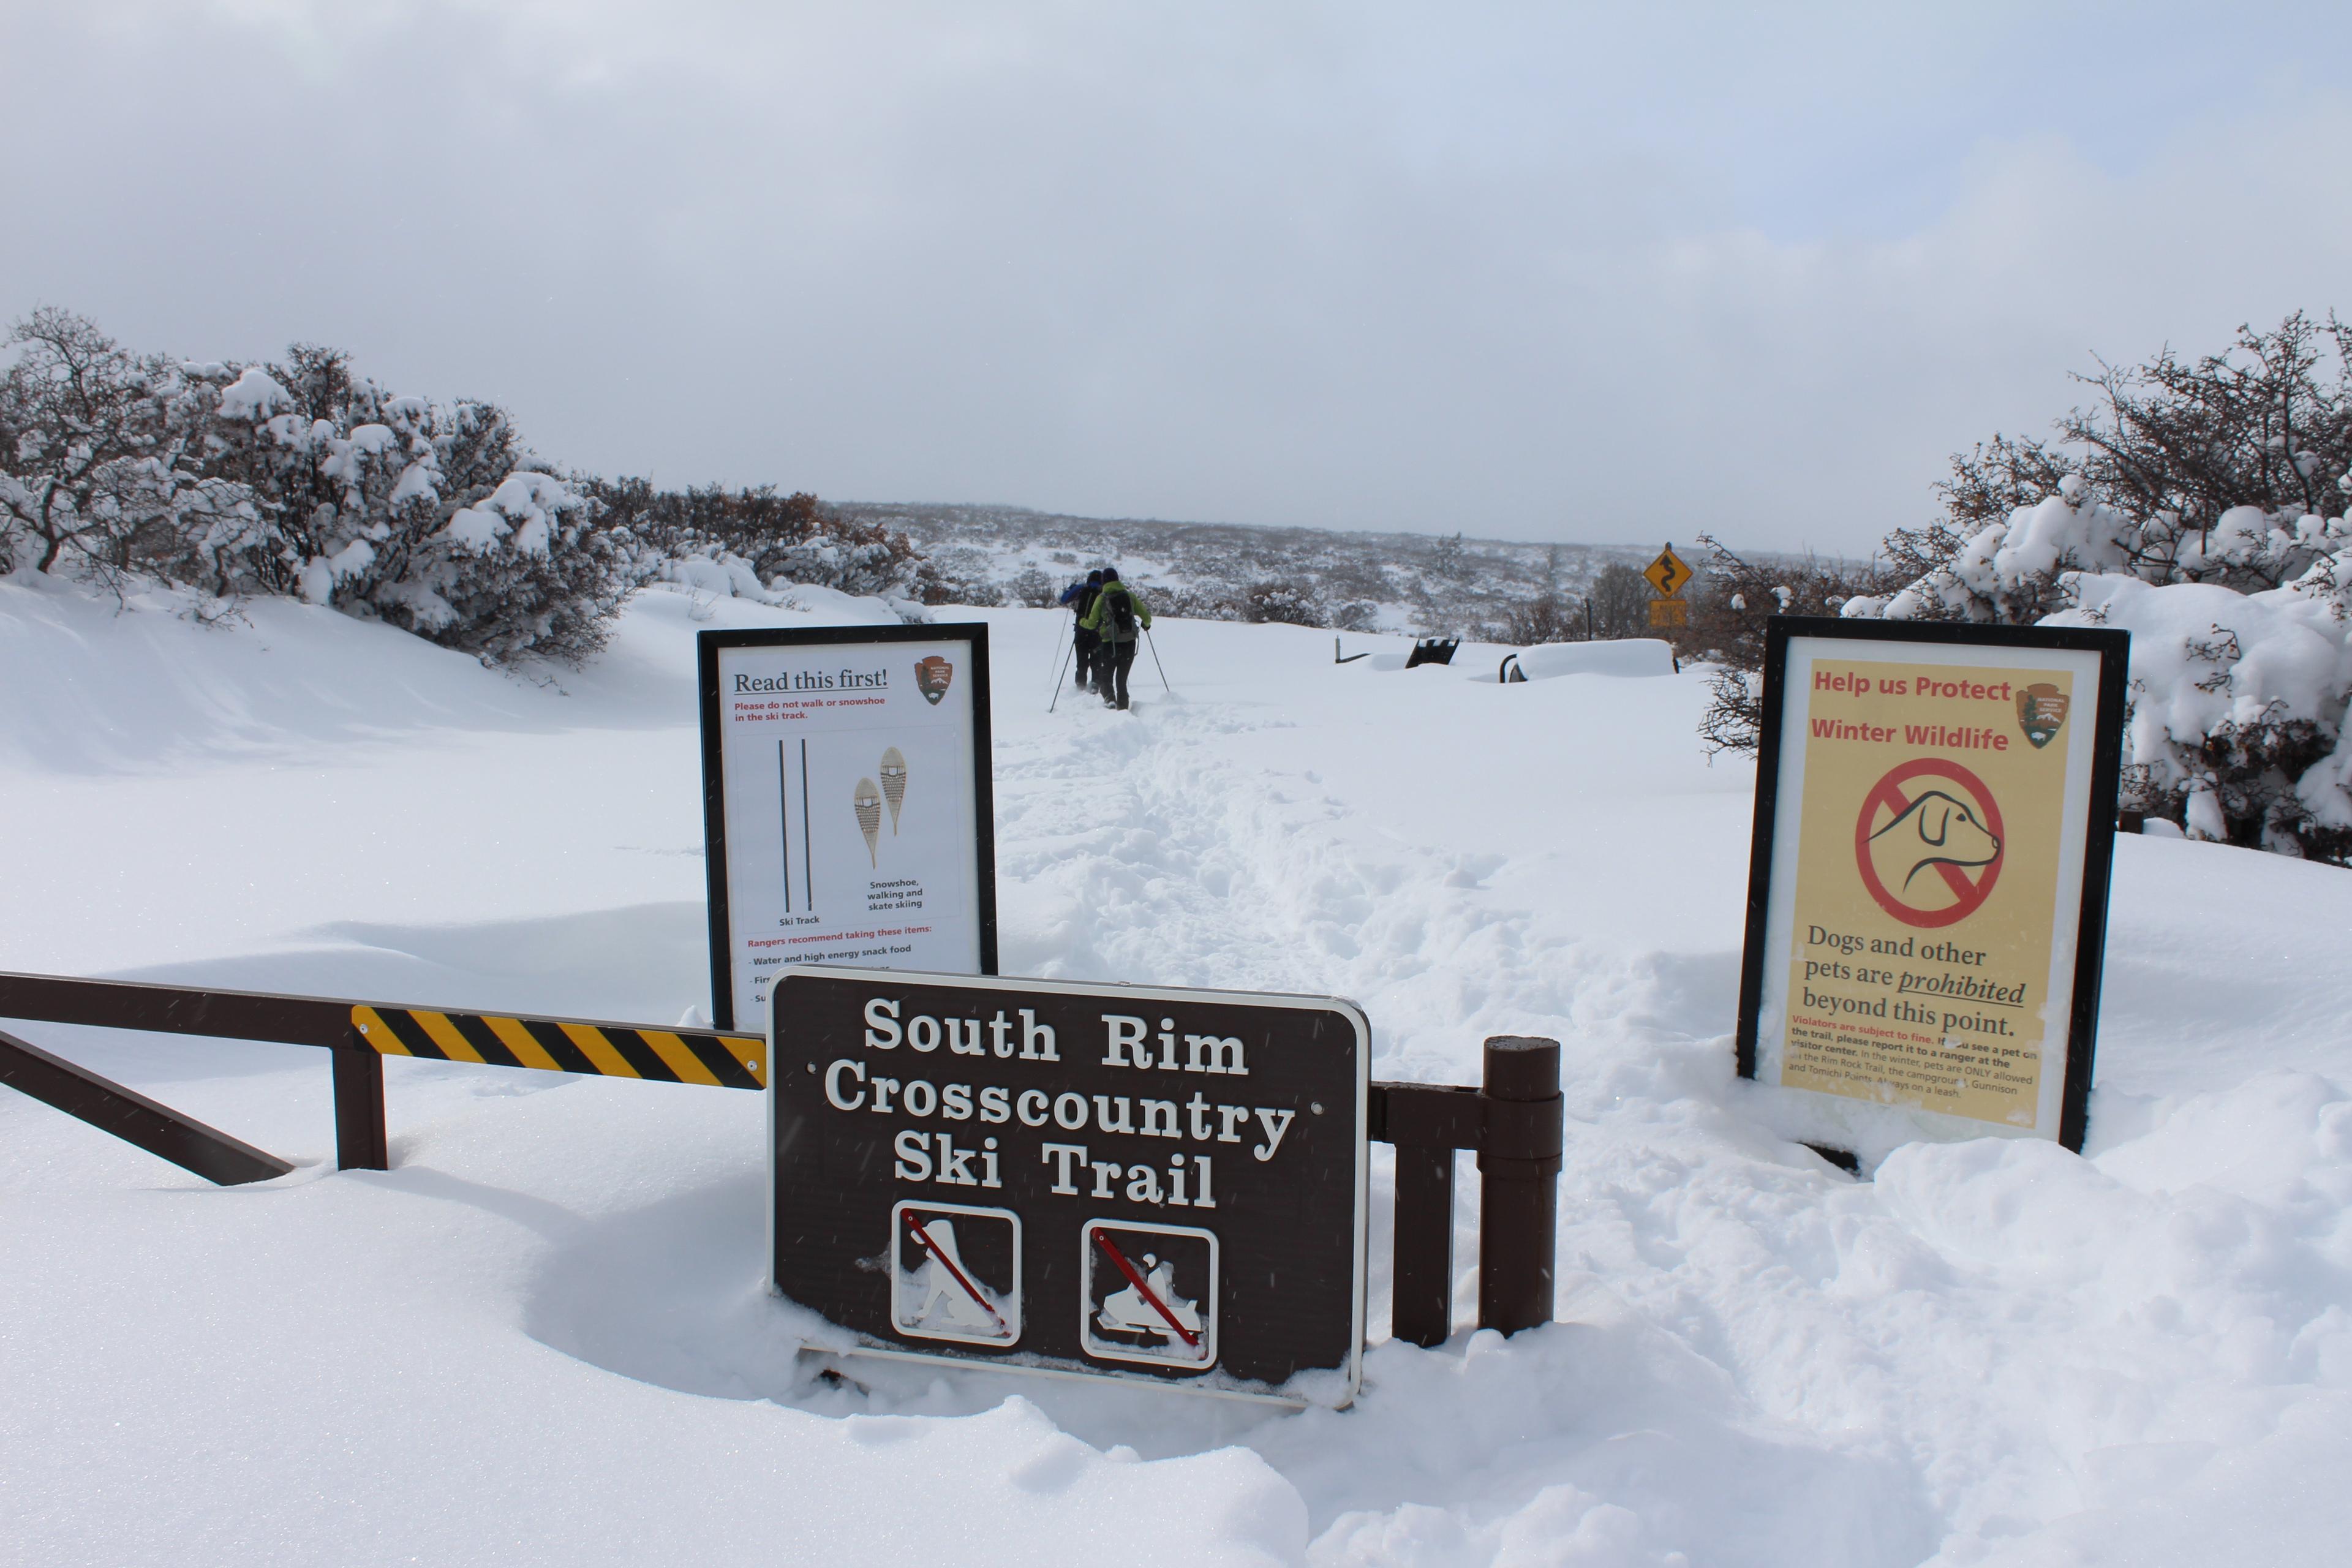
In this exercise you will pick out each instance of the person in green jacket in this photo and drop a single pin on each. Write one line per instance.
(1118, 616)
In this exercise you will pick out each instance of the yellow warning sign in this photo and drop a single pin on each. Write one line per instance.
(1667, 574)
(1665, 612)
(1928, 896)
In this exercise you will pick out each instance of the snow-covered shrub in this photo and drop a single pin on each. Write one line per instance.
(431, 516)
(2237, 709)
(786, 539)
(1194, 602)
(718, 575)
(300, 479)
(1548, 618)
(2016, 571)
(2195, 463)
(2238, 698)
(104, 458)
(1283, 602)
(1031, 587)
(2194, 511)
(1731, 603)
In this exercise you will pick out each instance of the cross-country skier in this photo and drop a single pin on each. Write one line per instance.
(1119, 616)
(1080, 597)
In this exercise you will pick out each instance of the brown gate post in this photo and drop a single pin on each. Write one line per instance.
(132, 1117)
(1421, 1263)
(1519, 1182)
(360, 1142)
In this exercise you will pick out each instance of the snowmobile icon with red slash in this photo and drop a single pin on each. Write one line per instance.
(1150, 1294)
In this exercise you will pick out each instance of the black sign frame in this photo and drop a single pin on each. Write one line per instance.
(2113, 649)
(1286, 1279)
(711, 708)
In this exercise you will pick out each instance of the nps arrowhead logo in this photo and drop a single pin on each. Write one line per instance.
(932, 676)
(2040, 713)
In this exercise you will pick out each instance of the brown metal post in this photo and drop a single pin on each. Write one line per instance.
(1427, 1122)
(1519, 1182)
(360, 1142)
(132, 1117)
(1420, 1289)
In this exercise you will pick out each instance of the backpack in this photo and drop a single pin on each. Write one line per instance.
(1122, 613)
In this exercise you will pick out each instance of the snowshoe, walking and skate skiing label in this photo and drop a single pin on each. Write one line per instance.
(1157, 1185)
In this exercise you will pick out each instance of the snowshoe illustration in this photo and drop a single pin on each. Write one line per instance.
(894, 784)
(867, 803)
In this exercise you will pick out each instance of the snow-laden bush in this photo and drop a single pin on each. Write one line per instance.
(299, 479)
(2200, 505)
(429, 515)
(1033, 587)
(104, 459)
(1286, 602)
(2019, 569)
(783, 539)
(2238, 699)
(2237, 709)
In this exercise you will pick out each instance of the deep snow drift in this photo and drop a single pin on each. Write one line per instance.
(540, 1337)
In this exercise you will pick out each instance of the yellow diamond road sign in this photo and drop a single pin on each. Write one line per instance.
(1667, 573)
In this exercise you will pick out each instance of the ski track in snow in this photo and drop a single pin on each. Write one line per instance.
(1994, 1352)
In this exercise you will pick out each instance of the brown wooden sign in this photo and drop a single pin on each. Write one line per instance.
(1088, 1180)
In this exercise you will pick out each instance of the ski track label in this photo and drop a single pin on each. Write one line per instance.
(1164, 1186)
(1928, 884)
(848, 810)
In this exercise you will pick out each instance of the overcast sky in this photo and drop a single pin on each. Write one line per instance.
(1606, 273)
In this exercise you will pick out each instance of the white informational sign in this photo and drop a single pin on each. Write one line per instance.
(1934, 817)
(848, 817)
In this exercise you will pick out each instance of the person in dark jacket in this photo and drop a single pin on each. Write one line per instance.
(1119, 616)
(1080, 597)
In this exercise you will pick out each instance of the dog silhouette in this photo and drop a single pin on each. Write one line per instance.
(1936, 830)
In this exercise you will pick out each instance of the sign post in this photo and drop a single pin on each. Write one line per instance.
(1099, 1180)
(1667, 576)
(1928, 892)
(847, 813)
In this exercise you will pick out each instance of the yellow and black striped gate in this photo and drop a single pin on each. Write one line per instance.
(358, 1035)
(566, 1045)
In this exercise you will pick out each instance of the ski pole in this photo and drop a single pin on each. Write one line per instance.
(1057, 658)
(1153, 643)
(1057, 678)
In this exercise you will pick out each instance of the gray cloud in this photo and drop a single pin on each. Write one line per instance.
(1541, 272)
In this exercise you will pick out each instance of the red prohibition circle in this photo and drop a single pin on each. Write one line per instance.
(1887, 793)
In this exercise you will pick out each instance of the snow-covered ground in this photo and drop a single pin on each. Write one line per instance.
(540, 1337)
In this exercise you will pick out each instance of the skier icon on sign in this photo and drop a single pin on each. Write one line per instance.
(965, 1288)
(1151, 1293)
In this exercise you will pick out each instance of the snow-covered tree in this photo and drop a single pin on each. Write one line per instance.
(2200, 507)
(2238, 698)
(781, 539)
(296, 479)
(431, 516)
(103, 461)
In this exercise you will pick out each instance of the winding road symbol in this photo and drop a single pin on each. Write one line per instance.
(1941, 836)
